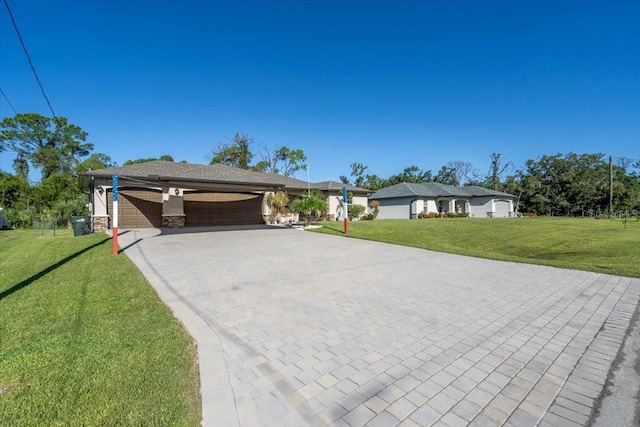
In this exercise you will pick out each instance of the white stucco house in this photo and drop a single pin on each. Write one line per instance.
(170, 194)
(407, 200)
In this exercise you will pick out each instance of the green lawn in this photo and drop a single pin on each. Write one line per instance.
(602, 245)
(85, 340)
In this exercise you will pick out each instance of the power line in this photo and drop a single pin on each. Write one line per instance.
(24, 48)
(8, 102)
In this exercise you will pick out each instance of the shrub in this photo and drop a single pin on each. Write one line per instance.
(367, 217)
(311, 205)
(277, 204)
(443, 215)
(356, 210)
(22, 218)
(64, 209)
(375, 208)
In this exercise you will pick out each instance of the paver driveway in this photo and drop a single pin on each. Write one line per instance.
(295, 328)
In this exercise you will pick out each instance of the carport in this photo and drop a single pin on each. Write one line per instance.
(169, 194)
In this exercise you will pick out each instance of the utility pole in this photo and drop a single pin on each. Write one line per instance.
(610, 187)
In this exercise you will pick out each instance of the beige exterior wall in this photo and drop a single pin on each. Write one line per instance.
(334, 201)
(172, 199)
(361, 200)
(335, 205)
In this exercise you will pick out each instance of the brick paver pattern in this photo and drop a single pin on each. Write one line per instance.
(319, 330)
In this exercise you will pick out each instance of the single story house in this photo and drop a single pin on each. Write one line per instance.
(407, 200)
(170, 194)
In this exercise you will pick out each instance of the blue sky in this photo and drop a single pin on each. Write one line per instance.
(387, 84)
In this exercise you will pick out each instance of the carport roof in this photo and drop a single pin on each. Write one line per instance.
(161, 171)
(196, 175)
(434, 189)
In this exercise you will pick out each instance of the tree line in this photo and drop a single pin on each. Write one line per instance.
(560, 184)
(60, 152)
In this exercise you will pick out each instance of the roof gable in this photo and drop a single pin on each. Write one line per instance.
(434, 189)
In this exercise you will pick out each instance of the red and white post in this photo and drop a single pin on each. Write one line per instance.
(114, 228)
(346, 210)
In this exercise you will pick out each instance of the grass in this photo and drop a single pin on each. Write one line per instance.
(602, 246)
(84, 339)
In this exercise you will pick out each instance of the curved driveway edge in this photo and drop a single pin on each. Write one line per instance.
(299, 328)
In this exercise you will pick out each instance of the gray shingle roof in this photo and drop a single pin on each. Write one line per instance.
(433, 189)
(337, 186)
(166, 171)
(160, 170)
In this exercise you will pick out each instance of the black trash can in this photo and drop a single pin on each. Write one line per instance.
(81, 225)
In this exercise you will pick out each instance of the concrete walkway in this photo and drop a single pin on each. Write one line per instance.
(295, 328)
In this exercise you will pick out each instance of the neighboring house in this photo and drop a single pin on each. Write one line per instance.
(407, 200)
(333, 191)
(168, 194)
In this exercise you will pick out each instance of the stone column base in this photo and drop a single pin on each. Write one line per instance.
(100, 223)
(173, 221)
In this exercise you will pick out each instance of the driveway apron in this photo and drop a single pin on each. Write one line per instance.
(295, 328)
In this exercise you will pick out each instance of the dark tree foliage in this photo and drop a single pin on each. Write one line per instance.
(562, 184)
(412, 174)
(235, 152)
(51, 144)
(574, 184)
(94, 162)
(164, 157)
(55, 147)
(282, 160)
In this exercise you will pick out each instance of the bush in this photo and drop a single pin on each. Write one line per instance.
(368, 217)
(356, 210)
(375, 208)
(428, 215)
(277, 204)
(443, 215)
(22, 218)
(311, 206)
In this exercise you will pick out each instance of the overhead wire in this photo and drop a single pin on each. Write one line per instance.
(33, 68)
(8, 102)
(24, 48)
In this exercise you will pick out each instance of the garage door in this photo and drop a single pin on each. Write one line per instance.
(502, 209)
(203, 208)
(137, 208)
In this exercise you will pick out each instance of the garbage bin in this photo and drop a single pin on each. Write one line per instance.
(81, 225)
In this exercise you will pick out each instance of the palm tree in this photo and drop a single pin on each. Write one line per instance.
(309, 205)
